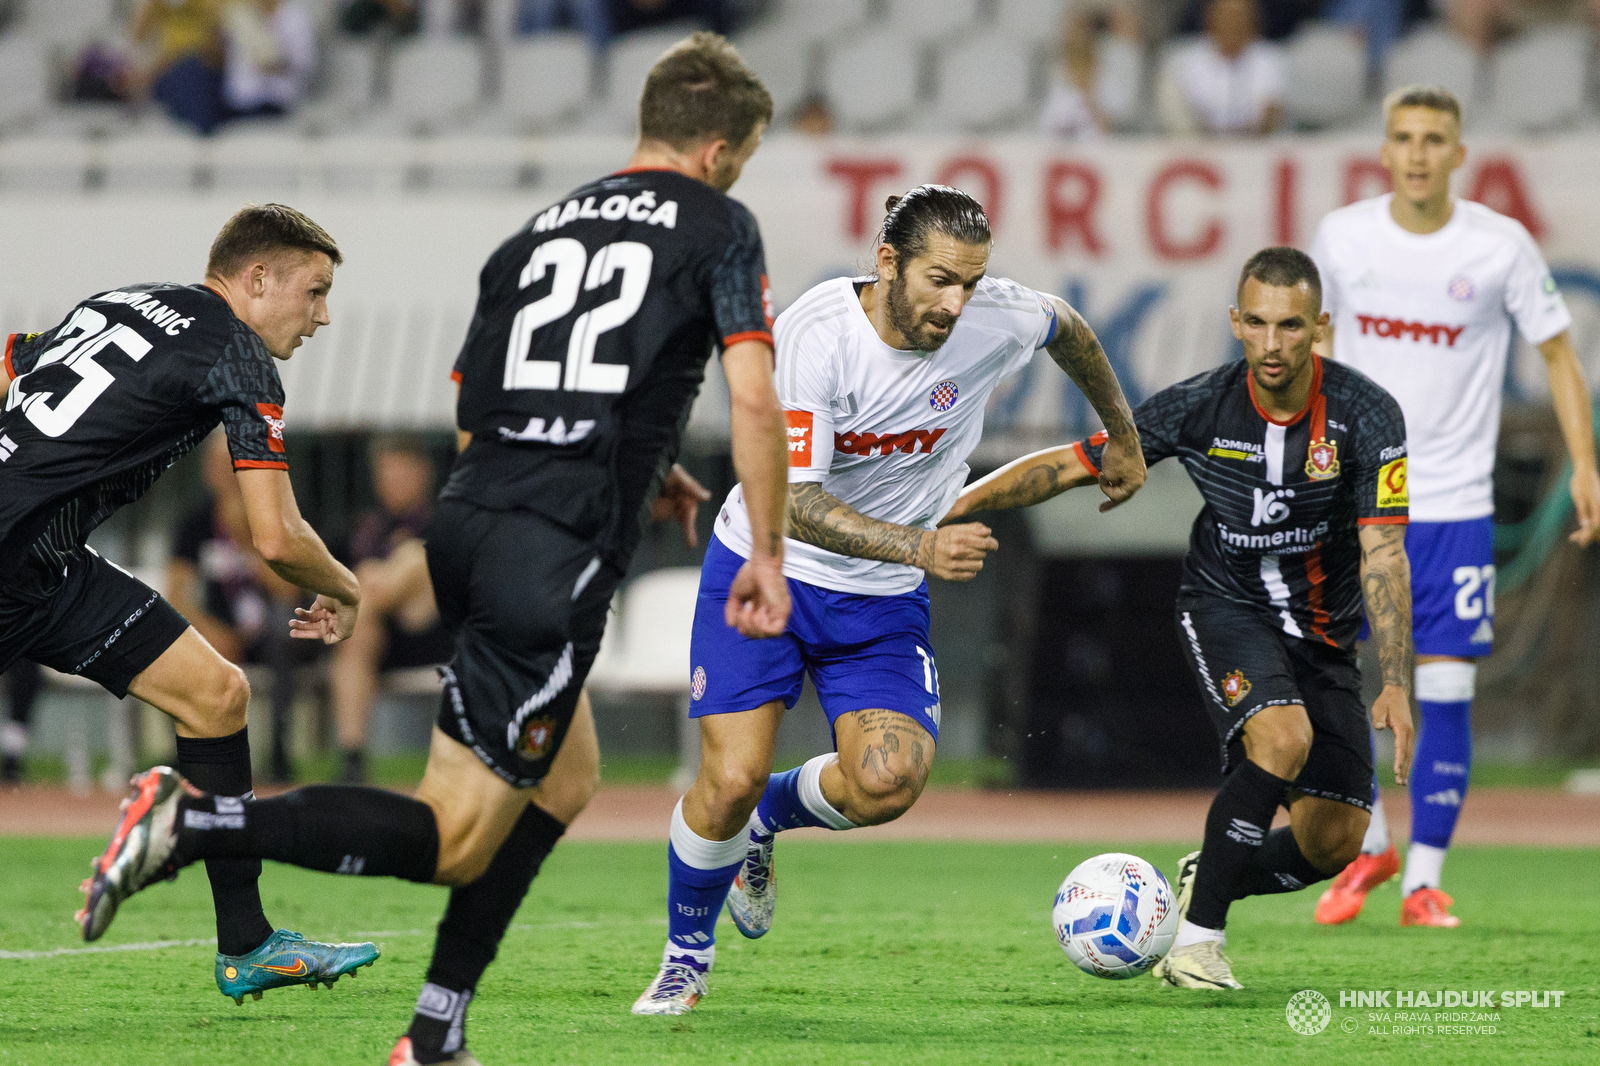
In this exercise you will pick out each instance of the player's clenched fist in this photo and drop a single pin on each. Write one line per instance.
(758, 599)
(955, 553)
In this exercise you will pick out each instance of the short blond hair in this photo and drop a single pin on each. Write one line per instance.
(1433, 97)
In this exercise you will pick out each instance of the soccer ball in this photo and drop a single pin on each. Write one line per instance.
(1115, 916)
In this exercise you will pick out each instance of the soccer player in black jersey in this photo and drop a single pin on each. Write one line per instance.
(95, 410)
(1302, 464)
(593, 328)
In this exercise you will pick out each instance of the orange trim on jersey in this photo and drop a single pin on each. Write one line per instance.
(258, 464)
(1314, 577)
(1083, 457)
(1316, 394)
(11, 371)
(748, 335)
(1393, 520)
(455, 376)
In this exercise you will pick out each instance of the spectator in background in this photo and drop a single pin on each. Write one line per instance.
(271, 56)
(1485, 23)
(629, 15)
(22, 684)
(593, 17)
(1230, 83)
(1091, 92)
(398, 627)
(814, 117)
(185, 76)
(219, 582)
(362, 17)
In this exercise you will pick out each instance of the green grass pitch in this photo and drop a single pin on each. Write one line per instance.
(881, 953)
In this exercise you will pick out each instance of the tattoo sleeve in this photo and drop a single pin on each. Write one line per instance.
(821, 518)
(1386, 587)
(1077, 350)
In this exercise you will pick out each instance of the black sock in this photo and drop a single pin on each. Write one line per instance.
(1236, 827)
(221, 765)
(470, 933)
(341, 829)
(1278, 866)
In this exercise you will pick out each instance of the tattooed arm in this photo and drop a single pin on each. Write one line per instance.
(1025, 482)
(954, 553)
(1077, 350)
(1386, 588)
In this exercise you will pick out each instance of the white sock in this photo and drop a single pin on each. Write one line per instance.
(1376, 842)
(1189, 933)
(811, 792)
(695, 850)
(1424, 866)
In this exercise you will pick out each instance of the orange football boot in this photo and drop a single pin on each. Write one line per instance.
(1428, 906)
(1344, 898)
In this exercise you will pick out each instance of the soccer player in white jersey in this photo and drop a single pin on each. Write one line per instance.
(1423, 290)
(884, 381)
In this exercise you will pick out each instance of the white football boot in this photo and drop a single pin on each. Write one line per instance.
(754, 894)
(677, 987)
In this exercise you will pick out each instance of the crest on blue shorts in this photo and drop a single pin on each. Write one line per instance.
(944, 396)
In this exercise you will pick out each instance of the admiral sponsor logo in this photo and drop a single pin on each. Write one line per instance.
(1299, 539)
(1270, 507)
(1242, 450)
(1436, 333)
(272, 414)
(641, 208)
(170, 321)
(799, 439)
(854, 443)
(1322, 460)
(1392, 490)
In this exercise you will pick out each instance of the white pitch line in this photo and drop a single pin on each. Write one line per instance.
(380, 934)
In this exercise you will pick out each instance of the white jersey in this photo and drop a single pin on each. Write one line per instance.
(886, 431)
(1428, 317)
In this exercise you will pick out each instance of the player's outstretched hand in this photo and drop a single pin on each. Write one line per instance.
(681, 497)
(1122, 470)
(955, 553)
(758, 599)
(1392, 710)
(1586, 501)
(326, 620)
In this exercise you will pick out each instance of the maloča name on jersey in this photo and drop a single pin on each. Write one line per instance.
(640, 208)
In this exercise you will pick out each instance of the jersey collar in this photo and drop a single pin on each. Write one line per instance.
(1311, 397)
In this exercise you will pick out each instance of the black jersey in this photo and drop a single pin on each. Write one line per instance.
(103, 403)
(1282, 499)
(589, 343)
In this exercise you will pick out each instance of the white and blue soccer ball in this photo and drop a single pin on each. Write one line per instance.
(1115, 916)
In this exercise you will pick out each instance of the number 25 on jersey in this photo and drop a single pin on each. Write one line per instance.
(567, 258)
(83, 337)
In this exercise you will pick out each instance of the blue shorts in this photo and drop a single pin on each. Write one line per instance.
(863, 652)
(1452, 587)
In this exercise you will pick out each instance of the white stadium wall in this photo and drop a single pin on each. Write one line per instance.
(1146, 237)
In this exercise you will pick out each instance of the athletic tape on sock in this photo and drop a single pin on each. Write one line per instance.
(702, 854)
(811, 792)
(443, 1005)
(1446, 682)
(1376, 842)
(1424, 868)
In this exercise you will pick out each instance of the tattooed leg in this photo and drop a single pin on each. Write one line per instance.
(884, 759)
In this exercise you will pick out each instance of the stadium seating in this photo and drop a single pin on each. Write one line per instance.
(872, 81)
(435, 81)
(813, 20)
(927, 20)
(545, 81)
(69, 23)
(24, 81)
(985, 82)
(1537, 80)
(1327, 75)
(1434, 56)
(1038, 20)
(627, 63)
(787, 67)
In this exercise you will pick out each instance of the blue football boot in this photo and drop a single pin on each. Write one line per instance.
(289, 959)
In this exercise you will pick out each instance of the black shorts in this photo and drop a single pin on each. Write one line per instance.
(527, 601)
(96, 619)
(1244, 664)
(407, 650)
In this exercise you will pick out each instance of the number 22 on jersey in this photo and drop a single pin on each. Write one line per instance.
(80, 340)
(567, 258)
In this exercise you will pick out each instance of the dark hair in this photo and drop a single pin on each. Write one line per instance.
(1434, 97)
(256, 230)
(929, 209)
(1283, 267)
(700, 89)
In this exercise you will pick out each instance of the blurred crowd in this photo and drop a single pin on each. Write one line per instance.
(1175, 66)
